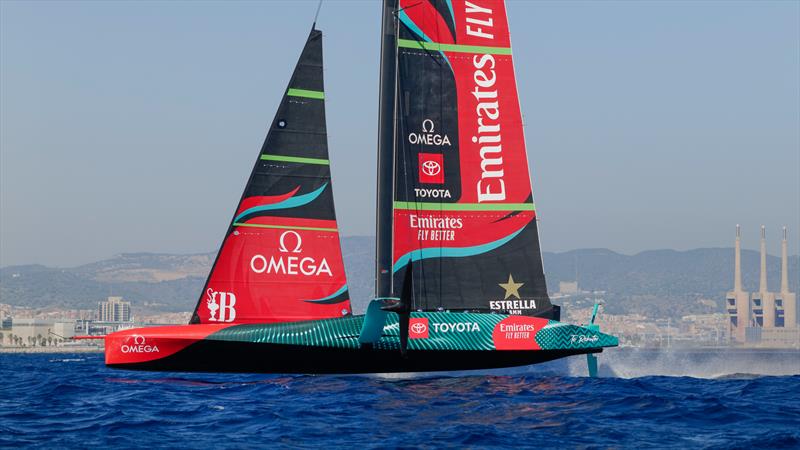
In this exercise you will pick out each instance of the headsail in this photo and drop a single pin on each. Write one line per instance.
(281, 259)
(463, 209)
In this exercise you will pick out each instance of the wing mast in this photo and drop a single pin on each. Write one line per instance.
(386, 141)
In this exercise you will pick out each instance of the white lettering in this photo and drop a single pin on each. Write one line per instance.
(491, 187)
(488, 22)
(432, 193)
(290, 265)
(459, 327)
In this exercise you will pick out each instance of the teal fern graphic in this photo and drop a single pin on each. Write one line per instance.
(557, 336)
(446, 331)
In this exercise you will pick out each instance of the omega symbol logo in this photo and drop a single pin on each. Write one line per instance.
(297, 240)
(139, 345)
(431, 168)
(427, 126)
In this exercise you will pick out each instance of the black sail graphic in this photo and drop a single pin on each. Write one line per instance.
(281, 258)
(463, 204)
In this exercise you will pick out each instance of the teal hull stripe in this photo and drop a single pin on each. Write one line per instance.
(291, 202)
(451, 252)
(334, 295)
(344, 332)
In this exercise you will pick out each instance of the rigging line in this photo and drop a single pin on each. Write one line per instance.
(407, 7)
(427, 51)
(316, 15)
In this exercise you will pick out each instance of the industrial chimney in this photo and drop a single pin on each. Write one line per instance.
(737, 265)
(764, 301)
(784, 264)
(737, 302)
(788, 300)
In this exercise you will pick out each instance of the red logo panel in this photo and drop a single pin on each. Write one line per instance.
(418, 328)
(431, 168)
(517, 333)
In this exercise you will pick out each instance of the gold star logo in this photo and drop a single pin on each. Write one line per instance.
(511, 287)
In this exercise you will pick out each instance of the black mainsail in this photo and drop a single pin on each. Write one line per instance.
(463, 208)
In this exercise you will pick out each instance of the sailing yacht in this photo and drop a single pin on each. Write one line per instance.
(459, 277)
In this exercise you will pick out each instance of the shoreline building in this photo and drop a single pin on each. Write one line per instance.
(114, 309)
(114, 314)
(762, 317)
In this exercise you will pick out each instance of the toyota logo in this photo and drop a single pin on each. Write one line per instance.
(138, 340)
(431, 168)
(418, 328)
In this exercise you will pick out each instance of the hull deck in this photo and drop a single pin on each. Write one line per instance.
(446, 342)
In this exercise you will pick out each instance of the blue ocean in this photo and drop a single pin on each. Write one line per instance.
(74, 401)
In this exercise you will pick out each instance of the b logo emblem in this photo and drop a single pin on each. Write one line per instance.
(223, 302)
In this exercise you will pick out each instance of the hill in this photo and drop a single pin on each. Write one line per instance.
(659, 283)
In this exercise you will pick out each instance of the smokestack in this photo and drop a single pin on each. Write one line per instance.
(763, 284)
(737, 266)
(784, 264)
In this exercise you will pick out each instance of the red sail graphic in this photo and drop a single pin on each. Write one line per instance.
(281, 259)
(472, 225)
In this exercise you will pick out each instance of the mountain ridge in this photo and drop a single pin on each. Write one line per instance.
(662, 282)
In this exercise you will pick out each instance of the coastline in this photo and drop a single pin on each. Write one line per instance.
(81, 349)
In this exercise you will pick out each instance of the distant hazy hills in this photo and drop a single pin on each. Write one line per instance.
(658, 282)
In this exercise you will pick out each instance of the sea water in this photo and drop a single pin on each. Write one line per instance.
(74, 401)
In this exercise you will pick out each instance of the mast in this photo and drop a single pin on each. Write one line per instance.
(385, 185)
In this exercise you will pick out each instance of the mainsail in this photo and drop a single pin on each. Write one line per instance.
(463, 202)
(281, 258)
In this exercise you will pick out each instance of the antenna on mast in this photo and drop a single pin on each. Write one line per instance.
(316, 15)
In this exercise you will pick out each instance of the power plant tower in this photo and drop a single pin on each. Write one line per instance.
(763, 300)
(786, 300)
(763, 318)
(737, 301)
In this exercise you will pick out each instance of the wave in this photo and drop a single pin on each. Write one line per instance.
(79, 404)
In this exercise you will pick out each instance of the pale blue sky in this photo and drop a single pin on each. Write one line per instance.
(132, 126)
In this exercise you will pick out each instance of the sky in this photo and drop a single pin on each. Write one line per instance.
(132, 126)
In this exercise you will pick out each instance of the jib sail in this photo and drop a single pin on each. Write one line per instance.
(463, 209)
(281, 258)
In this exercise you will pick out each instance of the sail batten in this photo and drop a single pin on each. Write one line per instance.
(444, 47)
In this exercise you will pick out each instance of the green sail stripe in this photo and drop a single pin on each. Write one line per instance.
(283, 227)
(296, 159)
(292, 92)
(435, 46)
(421, 206)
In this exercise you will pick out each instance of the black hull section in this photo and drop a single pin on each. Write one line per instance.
(243, 357)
